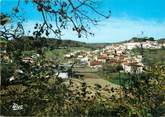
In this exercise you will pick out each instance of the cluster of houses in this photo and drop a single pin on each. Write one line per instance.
(115, 54)
(146, 44)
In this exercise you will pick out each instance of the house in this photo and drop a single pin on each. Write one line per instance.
(132, 67)
(63, 75)
(111, 56)
(131, 45)
(67, 56)
(163, 44)
(84, 60)
(95, 64)
(11, 78)
(102, 58)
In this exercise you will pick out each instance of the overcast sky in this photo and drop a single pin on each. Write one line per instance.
(129, 18)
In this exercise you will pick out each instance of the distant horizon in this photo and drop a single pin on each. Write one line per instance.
(66, 39)
(109, 42)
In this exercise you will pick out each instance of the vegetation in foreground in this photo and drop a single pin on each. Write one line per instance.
(40, 93)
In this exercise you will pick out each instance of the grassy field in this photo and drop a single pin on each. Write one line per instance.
(115, 78)
(152, 56)
(28, 53)
(92, 76)
(61, 52)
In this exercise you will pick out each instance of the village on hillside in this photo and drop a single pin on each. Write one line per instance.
(93, 60)
(115, 54)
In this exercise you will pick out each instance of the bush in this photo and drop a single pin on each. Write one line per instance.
(7, 70)
(107, 69)
(145, 91)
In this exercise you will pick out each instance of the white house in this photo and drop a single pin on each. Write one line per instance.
(63, 75)
(84, 60)
(129, 68)
(131, 45)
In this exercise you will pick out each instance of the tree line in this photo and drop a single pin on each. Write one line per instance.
(31, 43)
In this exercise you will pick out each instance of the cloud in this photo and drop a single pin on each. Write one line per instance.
(119, 29)
(116, 29)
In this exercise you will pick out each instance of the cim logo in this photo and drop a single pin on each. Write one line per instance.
(17, 107)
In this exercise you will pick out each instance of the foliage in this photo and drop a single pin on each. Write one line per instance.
(4, 19)
(30, 43)
(43, 94)
(108, 69)
(7, 70)
(151, 56)
(137, 39)
(146, 92)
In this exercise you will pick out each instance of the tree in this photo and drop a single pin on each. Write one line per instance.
(10, 32)
(108, 69)
(4, 19)
(145, 92)
(64, 13)
(32, 89)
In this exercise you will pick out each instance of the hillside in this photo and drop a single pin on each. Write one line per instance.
(27, 43)
(30, 43)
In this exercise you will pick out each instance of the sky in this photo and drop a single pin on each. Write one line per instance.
(129, 18)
